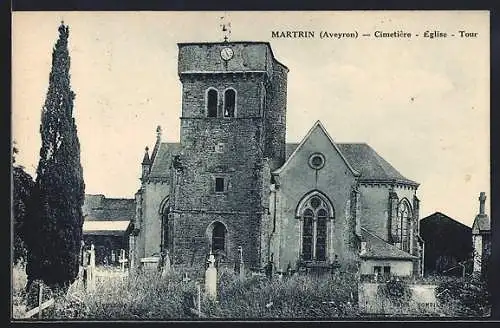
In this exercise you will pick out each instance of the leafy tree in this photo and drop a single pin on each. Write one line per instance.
(54, 228)
(22, 187)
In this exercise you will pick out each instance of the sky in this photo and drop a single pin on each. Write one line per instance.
(421, 103)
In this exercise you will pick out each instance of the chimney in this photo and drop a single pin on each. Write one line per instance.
(482, 200)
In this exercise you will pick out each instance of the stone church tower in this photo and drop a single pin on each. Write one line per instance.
(232, 136)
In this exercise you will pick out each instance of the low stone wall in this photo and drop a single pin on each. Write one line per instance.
(371, 302)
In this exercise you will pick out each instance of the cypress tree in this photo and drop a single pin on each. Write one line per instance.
(54, 230)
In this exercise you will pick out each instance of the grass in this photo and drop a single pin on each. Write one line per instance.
(19, 280)
(298, 297)
(148, 296)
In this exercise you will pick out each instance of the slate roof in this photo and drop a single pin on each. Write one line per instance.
(482, 223)
(360, 156)
(365, 160)
(100, 208)
(163, 158)
(371, 165)
(377, 248)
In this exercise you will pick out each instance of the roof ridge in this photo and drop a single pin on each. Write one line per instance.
(319, 125)
(447, 216)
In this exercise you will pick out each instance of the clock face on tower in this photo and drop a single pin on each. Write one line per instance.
(226, 53)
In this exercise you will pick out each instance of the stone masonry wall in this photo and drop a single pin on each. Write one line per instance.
(276, 117)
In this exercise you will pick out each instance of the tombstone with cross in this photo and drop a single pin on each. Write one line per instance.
(211, 278)
(122, 259)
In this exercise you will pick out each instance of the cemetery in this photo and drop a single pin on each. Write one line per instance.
(253, 227)
(160, 291)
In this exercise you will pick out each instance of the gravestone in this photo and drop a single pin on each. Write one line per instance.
(89, 268)
(269, 269)
(211, 278)
(150, 263)
(166, 266)
(242, 264)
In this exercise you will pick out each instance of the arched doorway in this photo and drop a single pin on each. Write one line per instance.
(217, 237)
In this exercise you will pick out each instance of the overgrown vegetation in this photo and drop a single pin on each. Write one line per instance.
(148, 296)
(465, 296)
(397, 292)
(22, 188)
(307, 297)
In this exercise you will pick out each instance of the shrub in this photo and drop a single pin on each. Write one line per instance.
(464, 297)
(395, 291)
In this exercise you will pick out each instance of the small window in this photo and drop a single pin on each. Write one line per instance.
(212, 100)
(387, 271)
(317, 161)
(229, 103)
(377, 269)
(219, 148)
(219, 185)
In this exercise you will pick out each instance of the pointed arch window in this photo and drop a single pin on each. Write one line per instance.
(212, 101)
(404, 225)
(314, 214)
(229, 103)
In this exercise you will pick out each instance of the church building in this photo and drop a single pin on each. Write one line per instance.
(234, 186)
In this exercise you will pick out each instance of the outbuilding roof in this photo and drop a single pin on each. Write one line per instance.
(377, 248)
(100, 208)
(105, 227)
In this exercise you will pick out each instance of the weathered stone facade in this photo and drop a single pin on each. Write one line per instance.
(233, 182)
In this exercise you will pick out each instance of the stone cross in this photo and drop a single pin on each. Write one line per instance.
(123, 259)
(482, 200)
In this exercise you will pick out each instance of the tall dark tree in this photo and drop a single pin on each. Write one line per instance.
(54, 225)
(22, 187)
